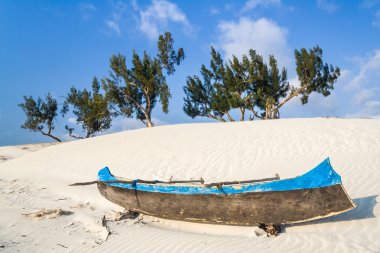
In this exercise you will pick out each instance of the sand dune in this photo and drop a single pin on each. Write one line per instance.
(215, 152)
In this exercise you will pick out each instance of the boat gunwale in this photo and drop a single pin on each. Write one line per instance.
(308, 180)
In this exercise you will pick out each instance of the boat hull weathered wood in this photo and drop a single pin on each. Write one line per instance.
(238, 209)
(250, 207)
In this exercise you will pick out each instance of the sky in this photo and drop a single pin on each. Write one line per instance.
(50, 46)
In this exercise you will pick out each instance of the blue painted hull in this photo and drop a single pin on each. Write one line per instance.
(321, 176)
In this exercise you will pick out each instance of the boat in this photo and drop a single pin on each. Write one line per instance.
(314, 195)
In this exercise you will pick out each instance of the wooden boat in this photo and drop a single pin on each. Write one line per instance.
(318, 193)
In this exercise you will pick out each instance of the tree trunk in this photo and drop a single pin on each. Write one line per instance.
(242, 111)
(271, 109)
(272, 113)
(148, 122)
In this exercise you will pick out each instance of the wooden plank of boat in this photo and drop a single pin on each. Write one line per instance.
(318, 193)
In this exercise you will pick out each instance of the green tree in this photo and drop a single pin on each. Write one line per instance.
(314, 75)
(238, 84)
(252, 84)
(40, 115)
(135, 91)
(208, 98)
(91, 108)
(269, 89)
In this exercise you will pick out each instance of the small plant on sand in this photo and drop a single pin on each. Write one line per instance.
(136, 90)
(250, 84)
(40, 115)
(91, 108)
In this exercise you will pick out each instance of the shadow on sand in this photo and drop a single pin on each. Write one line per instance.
(364, 210)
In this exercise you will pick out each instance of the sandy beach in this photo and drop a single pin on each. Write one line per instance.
(34, 177)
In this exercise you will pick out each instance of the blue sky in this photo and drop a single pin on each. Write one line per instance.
(49, 46)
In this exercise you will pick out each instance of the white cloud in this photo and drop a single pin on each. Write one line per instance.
(344, 73)
(87, 10)
(364, 95)
(87, 6)
(371, 109)
(114, 26)
(317, 106)
(113, 23)
(262, 35)
(155, 18)
(123, 124)
(214, 11)
(252, 4)
(135, 5)
(365, 87)
(369, 72)
(376, 21)
(295, 82)
(72, 121)
(327, 5)
(373, 104)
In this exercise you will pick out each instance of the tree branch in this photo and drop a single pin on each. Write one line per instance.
(145, 123)
(76, 137)
(216, 118)
(229, 116)
(255, 114)
(135, 102)
(51, 136)
(291, 95)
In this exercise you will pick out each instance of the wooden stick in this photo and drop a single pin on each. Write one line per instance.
(140, 181)
(219, 184)
(177, 182)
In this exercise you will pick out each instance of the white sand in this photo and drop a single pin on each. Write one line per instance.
(12, 152)
(215, 152)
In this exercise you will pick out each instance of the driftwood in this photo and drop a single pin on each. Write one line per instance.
(126, 214)
(270, 229)
(104, 224)
(45, 214)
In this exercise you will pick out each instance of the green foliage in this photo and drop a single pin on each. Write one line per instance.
(91, 109)
(313, 74)
(167, 56)
(135, 91)
(239, 84)
(40, 115)
(254, 85)
(208, 98)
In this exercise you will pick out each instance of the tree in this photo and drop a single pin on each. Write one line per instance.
(239, 84)
(250, 84)
(314, 76)
(270, 89)
(40, 115)
(92, 110)
(135, 91)
(208, 98)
